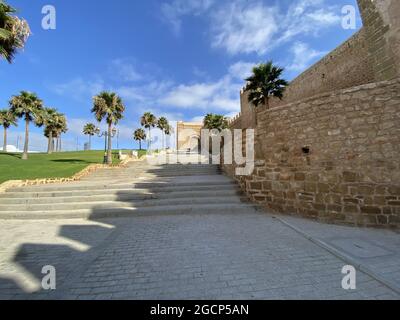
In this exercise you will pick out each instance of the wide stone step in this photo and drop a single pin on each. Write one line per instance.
(71, 193)
(106, 186)
(147, 175)
(169, 166)
(129, 174)
(139, 194)
(161, 170)
(120, 204)
(165, 168)
(241, 208)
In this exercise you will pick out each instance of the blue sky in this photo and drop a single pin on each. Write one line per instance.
(177, 58)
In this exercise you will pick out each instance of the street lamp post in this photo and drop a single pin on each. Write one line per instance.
(105, 135)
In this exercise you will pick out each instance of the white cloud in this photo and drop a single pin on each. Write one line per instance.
(124, 70)
(188, 96)
(307, 17)
(303, 56)
(254, 27)
(199, 73)
(75, 126)
(198, 119)
(174, 12)
(164, 98)
(244, 28)
(146, 93)
(241, 70)
(324, 17)
(209, 97)
(78, 88)
(221, 96)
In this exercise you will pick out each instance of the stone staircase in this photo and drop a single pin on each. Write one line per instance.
(138, 189)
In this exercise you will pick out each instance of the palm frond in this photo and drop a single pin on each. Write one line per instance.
(265, 82)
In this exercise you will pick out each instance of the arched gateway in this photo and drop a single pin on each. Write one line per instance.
(188, 136)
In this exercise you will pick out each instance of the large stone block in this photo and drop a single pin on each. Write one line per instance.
(371, 210)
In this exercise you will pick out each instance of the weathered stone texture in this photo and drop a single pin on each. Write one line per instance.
(333, 157)
(346, 66)
(371, 55)
(381, 19)
(331, 148)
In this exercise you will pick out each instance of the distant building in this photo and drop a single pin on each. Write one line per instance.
(188, 136)
(11, 148)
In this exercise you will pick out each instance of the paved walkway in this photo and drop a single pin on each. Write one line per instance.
(375, 251)
(210, 252)
(212, 256)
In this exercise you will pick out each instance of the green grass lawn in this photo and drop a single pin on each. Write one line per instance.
(41, 165)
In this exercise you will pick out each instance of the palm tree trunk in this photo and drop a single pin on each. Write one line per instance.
(109, 149)
(90, 142)
(140, 145)
(149, 143)
(266, 102)
(26, 145)
(58, 143)
(5, 140)
(50, 143)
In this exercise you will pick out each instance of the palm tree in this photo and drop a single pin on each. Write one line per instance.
(49, 117)
(7, 119)
(13, 32)
(90, 130)
(139, 135)
(162, 124)
(215, 121)
(50, 133)
(148, 121)
(109, 106)
(61, 127)
(27, 105)
(169, 130)
(265, 82)
(55, 123)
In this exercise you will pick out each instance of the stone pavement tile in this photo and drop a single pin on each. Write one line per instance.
(214, 256)
(376, 249)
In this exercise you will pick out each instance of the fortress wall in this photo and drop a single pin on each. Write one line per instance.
(381, 19)
(331, 149)
(351, 174)
(346, 66)
(370, 55)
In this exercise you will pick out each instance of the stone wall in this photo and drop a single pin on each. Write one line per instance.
(370, 55)
(381, 19)
(346, 66)
(331, 149)
(333, 157)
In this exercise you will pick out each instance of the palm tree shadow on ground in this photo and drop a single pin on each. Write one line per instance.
(72, 264)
